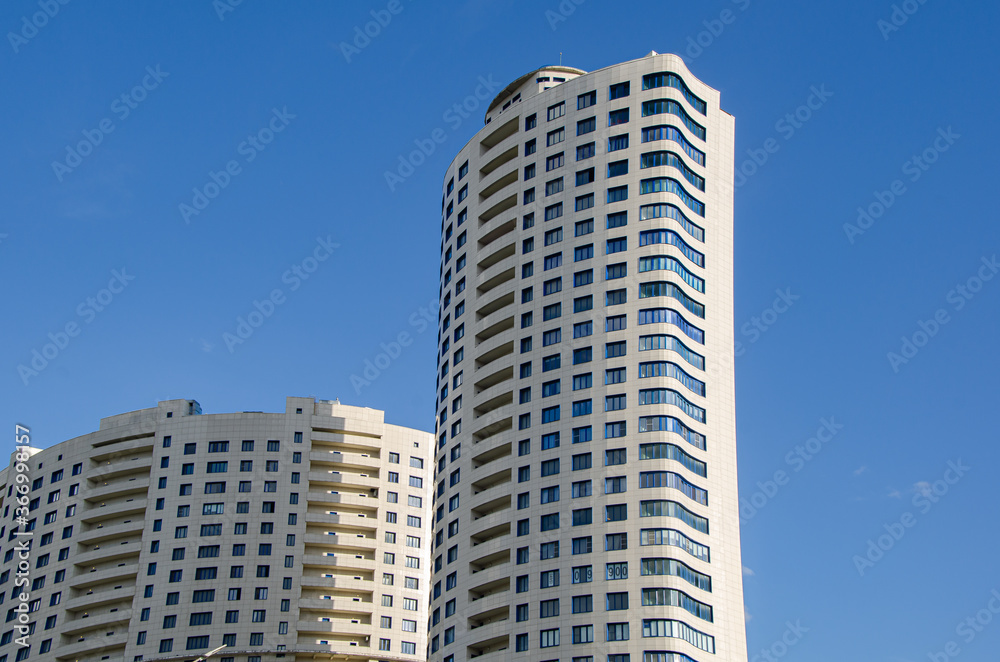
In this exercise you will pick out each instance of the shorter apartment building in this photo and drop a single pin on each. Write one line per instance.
(168, 534)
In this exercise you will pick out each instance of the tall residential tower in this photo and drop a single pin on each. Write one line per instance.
(585, 462)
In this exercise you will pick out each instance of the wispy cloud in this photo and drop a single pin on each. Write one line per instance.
(747, 572)
(894, 494)
(860, 470)
(923, 488)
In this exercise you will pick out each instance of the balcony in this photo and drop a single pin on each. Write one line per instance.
(91, 601)
(139, 465)
(344, 495)
(496, 505)
(345, 604)
(95, 645)
(500, 183)
(100, 532)
(84, 622)
(87, 579)
(102, 512)
(112, 552)
(490, 232)
(490, 650)
(117, 488)
(491, 452)
(344, 560)
(355, 462)
(350, 519)
(499, 135)
(338, 583)
(337, 626)
(343, 480)
(341, 541)
(492, 528)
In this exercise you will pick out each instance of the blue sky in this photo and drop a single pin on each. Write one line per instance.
(305, 210)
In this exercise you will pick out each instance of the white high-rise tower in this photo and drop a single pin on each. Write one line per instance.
(586, 487)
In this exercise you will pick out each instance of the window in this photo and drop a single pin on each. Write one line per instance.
(549, 579)
(583, 329)
(583, 634)
(550, 522)
(529, 171)
(553, 212)
(583, 545)
(551, 312)
(617, 194)
(529, 123)
(583, 304)
(582, 407)
(618, 91)
(551, 338)
(521, 643)
(617, 631)
(617, 570)
(584, 177)
(616, 513)
(583, 574)
(529, 147)
(551, 362)
(585, 151)
(523, 527)
(582, 253)
(586, 100)
(582, 489)
(555, 137)
(555, 161)
(586, 126)
(581, 462)
(584, 227)
(553, 236)
(615, 349)
(617, 169)
(616, 117)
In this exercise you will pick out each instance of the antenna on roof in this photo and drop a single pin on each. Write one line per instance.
(560, 58)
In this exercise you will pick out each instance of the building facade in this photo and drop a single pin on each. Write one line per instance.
(585, 498)
(168, 534)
